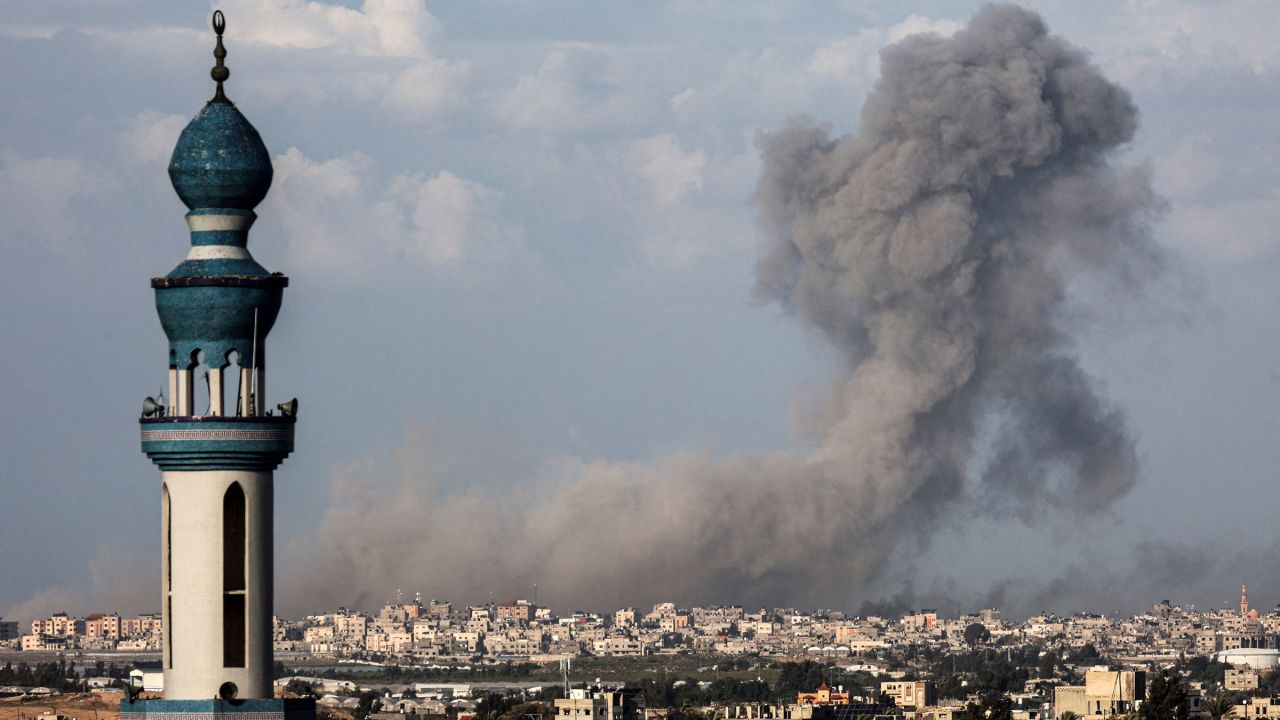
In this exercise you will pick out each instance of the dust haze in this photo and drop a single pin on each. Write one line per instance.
(934, 249)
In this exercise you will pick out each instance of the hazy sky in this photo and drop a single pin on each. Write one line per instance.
(522, 240)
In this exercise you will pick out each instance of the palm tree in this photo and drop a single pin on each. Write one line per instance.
(1072, 715)
(1217, 706)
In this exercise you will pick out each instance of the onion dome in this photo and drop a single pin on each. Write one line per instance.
(220, 161)
(219, 298)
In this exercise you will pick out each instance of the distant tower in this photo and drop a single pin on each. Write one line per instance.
(218, 445)
(1244, 601)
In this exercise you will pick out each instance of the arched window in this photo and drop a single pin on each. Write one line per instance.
(233, 584)
(168, 573)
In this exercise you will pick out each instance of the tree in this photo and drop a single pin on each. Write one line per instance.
(302, 688)
(1217, 706)
(494, 705)
(1086, 653)
(1048, 665)
(526, 710)
(369, 703)
(1166, 699)
(993, 707)
(976, 633)
(1073, 715)
(801, 677)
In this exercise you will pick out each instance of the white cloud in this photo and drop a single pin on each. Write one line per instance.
(672, 172)
(548, 98)
(685, 236)
(585, 89)
(341, 219)
(1224, 194)
(920, 25)
(681, 100)
(447, 217)
(150, 136)
(1165, 47)
(387, 28)
(38, 199)
(856, 59)
(1232, 230)
(383, 56)
(427, 89)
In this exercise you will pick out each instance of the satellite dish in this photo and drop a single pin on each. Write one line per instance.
(151, 408)
(289, 409)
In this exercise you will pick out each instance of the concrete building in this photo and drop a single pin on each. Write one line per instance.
(518, 611)
(1105, 692)
(911, 693)
(8, 629)
(769, 711)
(98, 625)
(1240, 679)
(1255, 708)
(148, 676)
(217, 448)
(601, 704)
(1256, 658)
(824, 695)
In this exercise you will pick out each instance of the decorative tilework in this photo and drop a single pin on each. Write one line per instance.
(211, 434)
(151, 715)
(248, 709)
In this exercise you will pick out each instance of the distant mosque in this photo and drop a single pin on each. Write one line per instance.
(218, 447)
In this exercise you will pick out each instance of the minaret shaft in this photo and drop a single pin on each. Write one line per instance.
(217, 556)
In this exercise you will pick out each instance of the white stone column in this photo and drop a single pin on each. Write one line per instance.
(245, 404)
(194, 549)
(185, 388)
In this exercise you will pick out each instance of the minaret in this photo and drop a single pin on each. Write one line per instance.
(1244, 601)
(216, 439)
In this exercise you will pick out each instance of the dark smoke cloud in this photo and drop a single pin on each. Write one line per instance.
(935, 249)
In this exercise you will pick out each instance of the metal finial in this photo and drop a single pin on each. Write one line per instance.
(219, 72)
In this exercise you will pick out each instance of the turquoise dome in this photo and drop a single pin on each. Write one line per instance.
(220, 161)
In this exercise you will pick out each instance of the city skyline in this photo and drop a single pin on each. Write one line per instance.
(552, 249)
(415, 631)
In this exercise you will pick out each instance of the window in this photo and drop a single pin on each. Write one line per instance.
(233, 585)
(168, 573)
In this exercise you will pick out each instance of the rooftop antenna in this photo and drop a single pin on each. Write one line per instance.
(253, 373)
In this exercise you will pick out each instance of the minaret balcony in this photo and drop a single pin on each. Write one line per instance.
(258, 443)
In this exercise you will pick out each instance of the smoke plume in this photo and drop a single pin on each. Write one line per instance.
(935, 248)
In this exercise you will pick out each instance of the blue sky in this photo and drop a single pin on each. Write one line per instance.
(521, 241)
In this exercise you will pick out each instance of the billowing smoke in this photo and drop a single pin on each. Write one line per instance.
(936, 248)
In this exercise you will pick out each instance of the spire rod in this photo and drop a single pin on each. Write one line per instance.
(219, 72)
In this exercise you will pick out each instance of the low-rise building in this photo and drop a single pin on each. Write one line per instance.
(1105, 692)
(910, 693)
(1240, 679)
(824, 695)
(601, 704)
